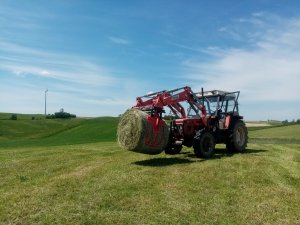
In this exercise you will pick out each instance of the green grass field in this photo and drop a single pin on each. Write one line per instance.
(73, 172)
(283, 134)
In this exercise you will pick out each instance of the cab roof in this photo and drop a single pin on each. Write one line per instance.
(212, 93)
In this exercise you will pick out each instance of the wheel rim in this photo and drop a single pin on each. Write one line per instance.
(240, 136)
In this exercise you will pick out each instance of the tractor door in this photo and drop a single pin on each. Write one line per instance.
(230, 103)
(228, 109)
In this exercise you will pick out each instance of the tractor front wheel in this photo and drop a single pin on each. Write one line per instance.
(173, 149)
(204, 144)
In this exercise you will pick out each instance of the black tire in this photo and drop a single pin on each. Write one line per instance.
(238, 137)
(171, 148)
(174, 149)
(204, 144)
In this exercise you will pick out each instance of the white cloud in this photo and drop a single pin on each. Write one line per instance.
(268, 70)
(45, 72)
(118, 40)
(79, 85)
(24, 61)
(110, 101)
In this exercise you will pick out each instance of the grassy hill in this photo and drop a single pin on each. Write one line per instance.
(14, 133)
(73, 172)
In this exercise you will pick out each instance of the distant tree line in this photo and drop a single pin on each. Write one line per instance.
(291, 122)
(60, 115)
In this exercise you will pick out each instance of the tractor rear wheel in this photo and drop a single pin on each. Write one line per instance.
(204, 144)
(238, 137)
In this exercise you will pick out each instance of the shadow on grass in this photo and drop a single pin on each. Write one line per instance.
(223, 152)
(162, 162)
(253, 151)
(219, 153)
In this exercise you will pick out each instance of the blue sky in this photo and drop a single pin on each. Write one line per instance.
(96, 57)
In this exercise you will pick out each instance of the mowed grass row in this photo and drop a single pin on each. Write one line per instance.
(101, 184)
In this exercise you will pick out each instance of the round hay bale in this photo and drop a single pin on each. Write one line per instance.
(139, 132)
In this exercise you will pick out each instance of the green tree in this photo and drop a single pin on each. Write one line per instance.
(14, 117)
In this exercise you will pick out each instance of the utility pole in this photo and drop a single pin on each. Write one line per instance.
(46, 102)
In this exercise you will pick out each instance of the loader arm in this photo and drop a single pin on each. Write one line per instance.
(157, 101)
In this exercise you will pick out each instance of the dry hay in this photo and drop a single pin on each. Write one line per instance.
(134, 131)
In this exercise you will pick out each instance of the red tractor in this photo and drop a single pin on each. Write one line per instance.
(199, 120)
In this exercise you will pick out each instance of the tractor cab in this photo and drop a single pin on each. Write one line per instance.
(220, 103)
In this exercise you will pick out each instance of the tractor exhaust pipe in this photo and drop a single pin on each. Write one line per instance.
(202, 93)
